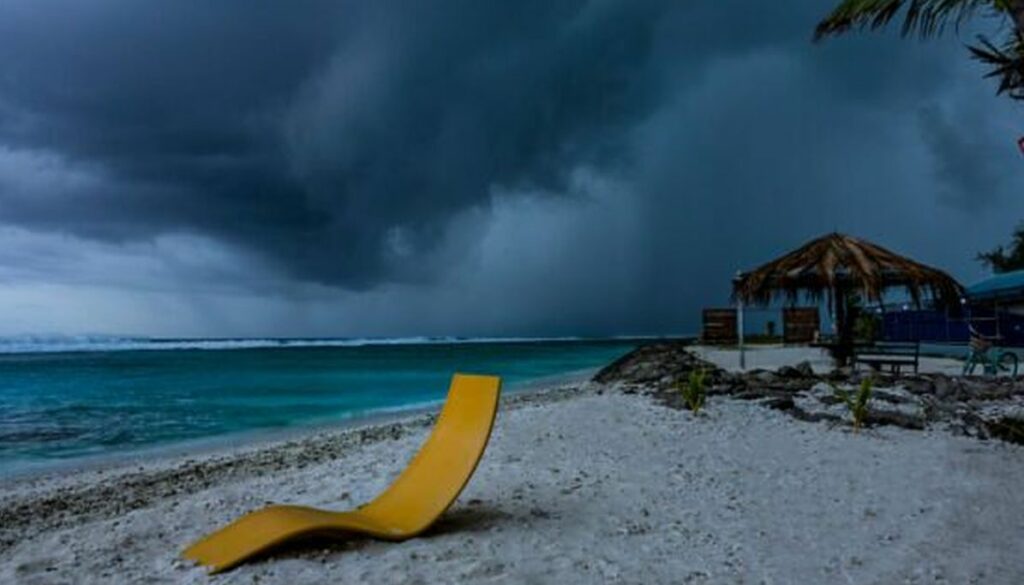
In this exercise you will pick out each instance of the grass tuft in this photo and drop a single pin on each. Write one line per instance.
(856, 403)
(695, 391)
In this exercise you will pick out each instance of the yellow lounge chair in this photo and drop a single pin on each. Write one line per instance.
(426, 488)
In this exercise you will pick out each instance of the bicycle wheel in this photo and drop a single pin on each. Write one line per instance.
(970, 363)
(1008, 362)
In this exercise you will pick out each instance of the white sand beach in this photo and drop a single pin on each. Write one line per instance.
(586, 484)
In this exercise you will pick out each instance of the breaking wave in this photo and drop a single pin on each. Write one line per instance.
(78, 343)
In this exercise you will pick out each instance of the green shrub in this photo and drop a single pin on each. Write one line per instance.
(856, 403)
(694, 391)
(866, 327)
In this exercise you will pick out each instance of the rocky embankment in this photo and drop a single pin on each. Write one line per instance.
(976, 406)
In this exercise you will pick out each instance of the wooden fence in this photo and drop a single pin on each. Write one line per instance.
(800, 324)
(719, 327)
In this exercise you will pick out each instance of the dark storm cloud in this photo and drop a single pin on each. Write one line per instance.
(968, 165)
(171, 105)
(347, 143)
(332, 139)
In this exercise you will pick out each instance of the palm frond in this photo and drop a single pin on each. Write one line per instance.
(1007, 63)
(925, 17)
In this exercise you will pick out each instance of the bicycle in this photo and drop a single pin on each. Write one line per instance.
(993, 360)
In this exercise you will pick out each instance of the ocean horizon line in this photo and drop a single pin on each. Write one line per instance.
(28, 344)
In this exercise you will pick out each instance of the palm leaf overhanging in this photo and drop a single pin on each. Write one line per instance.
(1007, 64)
(925, 17)
(931, 17)
(837, 264)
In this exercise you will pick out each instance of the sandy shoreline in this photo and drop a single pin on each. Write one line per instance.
(581, 484)
(55, 499)
(258, 439)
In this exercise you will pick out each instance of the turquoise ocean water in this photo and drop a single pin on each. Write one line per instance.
(61, 402)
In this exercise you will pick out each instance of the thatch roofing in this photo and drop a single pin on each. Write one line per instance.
(840, 262)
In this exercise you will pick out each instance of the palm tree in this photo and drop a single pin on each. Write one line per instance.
(1002, 260)
(928, 18)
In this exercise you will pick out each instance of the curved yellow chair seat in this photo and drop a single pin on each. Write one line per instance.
(427, 487)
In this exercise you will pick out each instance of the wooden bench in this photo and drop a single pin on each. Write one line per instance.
(888, 353)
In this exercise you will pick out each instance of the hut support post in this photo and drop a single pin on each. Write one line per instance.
(739, 334)
(844, 333)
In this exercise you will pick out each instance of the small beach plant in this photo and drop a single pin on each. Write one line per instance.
(694, 391)
(856, 403)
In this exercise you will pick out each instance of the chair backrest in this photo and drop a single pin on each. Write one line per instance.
(443, 466)
(889, 351)
(893, 347)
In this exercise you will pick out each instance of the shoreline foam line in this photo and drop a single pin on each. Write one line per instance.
(44, 344)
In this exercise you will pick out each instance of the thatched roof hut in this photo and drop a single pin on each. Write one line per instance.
(840, 263)
(837, 265)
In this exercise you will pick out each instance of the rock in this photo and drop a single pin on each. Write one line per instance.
(790, 372)
(829, 399)
(813, 416)
(798, 385)
(1007, 428)
(918, 385)
(893, 397)
(780, 403)
(945, 387)
(840, 374)
(752, 394)
(731, 387)
(982, 390)
(895, 418)
(805, 369)
(660, 364)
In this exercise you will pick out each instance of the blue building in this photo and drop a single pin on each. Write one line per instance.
(994, 307)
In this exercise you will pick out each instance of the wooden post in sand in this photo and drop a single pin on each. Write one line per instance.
(739, 321)
(739, 333)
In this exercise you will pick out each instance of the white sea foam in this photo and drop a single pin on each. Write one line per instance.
(80, 343)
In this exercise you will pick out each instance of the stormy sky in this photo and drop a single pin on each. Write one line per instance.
(342, 168)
